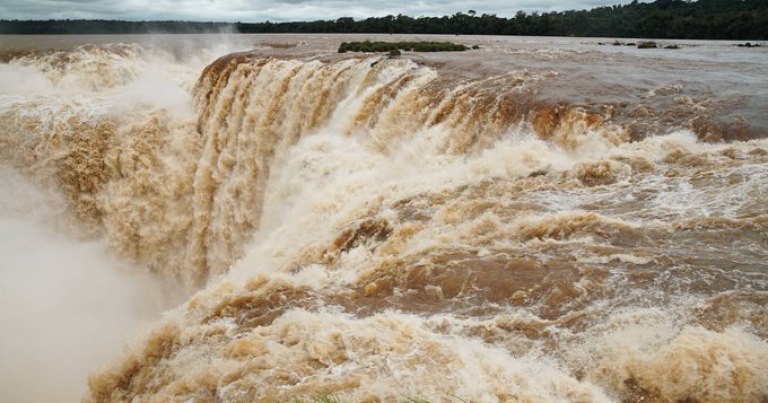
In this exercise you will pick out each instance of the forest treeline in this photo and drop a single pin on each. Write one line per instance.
(682, 19)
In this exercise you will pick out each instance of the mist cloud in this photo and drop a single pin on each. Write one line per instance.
(67, 305)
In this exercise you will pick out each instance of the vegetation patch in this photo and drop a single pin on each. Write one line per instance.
(394, 48)
(647, 45)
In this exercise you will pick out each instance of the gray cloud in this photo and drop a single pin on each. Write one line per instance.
(273, 10)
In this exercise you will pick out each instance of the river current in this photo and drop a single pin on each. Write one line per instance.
(259, 218)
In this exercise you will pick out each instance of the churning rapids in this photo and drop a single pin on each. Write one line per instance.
(538, 220)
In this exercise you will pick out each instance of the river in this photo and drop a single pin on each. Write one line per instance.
(259, 218)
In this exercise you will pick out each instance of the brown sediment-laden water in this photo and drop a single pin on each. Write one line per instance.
(539, 219)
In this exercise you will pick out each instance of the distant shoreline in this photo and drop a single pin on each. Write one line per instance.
(662, 19)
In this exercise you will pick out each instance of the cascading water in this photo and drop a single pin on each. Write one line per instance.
(376, 229)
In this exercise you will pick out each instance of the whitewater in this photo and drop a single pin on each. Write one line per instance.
(257, 218)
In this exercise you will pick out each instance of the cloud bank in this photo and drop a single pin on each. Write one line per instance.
(273, 10)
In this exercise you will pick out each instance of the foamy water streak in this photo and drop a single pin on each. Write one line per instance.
(374, 229)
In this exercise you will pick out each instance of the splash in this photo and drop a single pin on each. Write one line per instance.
(377, 229)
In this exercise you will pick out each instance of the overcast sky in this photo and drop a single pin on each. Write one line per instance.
(273, 10)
